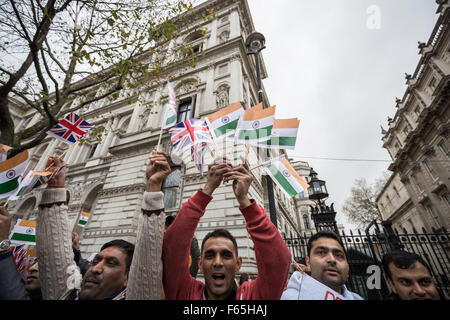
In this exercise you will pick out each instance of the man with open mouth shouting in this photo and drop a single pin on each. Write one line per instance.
(219, 261)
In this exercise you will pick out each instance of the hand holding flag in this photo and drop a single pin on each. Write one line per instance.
(59, 169)
(4, 152)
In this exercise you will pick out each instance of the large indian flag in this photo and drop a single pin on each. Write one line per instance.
(84, 218)
(284, 134)
(256, 125)
(24, 232)
(10, 172)
(223, 123)
(287, 179)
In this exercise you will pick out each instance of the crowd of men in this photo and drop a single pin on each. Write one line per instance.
(164, 261)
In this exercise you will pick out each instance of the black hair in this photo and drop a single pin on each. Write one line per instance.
(244, 277)
(126, 246)
(220, 233)
(324, 234)
(169, 220)
(401, 259)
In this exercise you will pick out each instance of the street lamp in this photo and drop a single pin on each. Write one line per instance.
(255, 43)
(324, 217)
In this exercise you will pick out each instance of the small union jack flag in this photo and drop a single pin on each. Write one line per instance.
(70, 129)
(189, 132)
(19, 257)
(198, 153)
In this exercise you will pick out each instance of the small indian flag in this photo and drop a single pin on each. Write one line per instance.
(24, 187)
(284, 134)
(256, 125)
(84, 217)
(170, 109)
(24, 232)
(287, 179)
(170, 117)
(10, 172)
(223, 123)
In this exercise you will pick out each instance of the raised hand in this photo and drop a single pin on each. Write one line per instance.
(242, 179)
(216, 173)
(157, 170)
(54, 163)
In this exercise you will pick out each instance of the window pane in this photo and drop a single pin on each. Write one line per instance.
(184, 111)
(170, 197)
(430, 169)
(173, 179)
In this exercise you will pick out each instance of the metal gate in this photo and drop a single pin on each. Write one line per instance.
(367, 249)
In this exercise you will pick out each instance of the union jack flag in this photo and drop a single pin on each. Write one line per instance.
(198, 152)
(19, 257)
(70, 129)
(188, 133)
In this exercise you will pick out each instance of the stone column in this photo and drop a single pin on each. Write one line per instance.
(47, 153)
(108, 140)
(235, 26)
(134, 121)
(208, 98)
(236, 93)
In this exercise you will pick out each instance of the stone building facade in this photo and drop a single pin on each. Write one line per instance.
(418, 139)
(107, 178)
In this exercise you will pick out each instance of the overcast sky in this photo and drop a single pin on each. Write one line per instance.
(340, 78)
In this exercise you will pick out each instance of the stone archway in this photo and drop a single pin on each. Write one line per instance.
(88, 204)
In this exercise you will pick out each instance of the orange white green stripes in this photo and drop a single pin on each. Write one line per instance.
(286, 178)
(170, 109)
(223, 123)
(284, 134)
(256, 125)
(84, 217)
(10, 172)
(24, 232)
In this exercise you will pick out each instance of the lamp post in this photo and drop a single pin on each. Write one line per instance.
(255, 43)
(324, 217)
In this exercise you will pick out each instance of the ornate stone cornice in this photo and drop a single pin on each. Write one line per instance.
(123, 190)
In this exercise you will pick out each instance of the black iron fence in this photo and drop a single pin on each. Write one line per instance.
(365, 251)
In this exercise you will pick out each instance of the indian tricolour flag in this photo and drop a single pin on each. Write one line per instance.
(24, 232)
(84, 217)
(10, 172)
(284, 134)
(223, 123)
(24, 186)
(255, 126)
(287, 179)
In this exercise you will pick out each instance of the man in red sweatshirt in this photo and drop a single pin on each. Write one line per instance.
(219, 259)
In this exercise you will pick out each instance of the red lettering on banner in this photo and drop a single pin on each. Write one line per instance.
(329, 293)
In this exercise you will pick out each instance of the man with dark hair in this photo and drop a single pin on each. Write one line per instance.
(219, 261)
(120, 270)
(326, 263)
(409, 277)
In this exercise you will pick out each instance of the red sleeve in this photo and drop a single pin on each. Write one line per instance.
(273, 258)
(177, 280)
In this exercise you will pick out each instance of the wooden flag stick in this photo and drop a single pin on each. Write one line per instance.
(62, 155)
(256, 167)
(159, 140)
(247, 150)
(6, 203)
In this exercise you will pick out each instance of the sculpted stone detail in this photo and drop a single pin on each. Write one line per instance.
(222, 97)
(124, 190)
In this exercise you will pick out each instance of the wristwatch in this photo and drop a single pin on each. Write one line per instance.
(5, 245)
